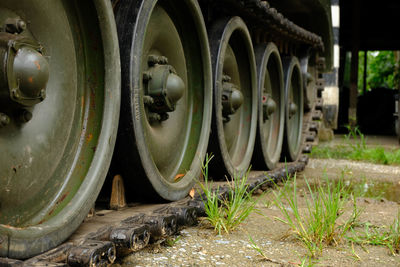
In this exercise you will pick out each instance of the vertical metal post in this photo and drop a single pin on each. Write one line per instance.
(397, 101)
(365, 72)
(354, 64)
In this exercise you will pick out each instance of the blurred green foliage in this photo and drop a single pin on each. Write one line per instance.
(382, 70)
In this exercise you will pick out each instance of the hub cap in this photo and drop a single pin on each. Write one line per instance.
(163, 87)
(25, 72)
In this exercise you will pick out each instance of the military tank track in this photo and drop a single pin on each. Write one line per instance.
(267, 22)
(108, 234)
(112, 234)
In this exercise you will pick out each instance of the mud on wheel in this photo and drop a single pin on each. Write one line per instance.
(61, 98)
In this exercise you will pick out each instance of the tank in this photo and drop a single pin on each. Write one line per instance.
(147, 87)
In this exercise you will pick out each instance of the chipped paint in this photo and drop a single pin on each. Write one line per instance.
(89, 137)
(37, 64)
(62, 198)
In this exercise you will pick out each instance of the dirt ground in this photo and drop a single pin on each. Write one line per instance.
(200, 246)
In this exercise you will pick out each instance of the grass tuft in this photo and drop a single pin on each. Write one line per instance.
(376, 237)
(318, 224)
(226, 214)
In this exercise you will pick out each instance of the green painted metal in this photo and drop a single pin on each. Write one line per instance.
(53, 166)
(233, 138)
(271, 107)
(294, 102)
(59, 106)
(156, 153)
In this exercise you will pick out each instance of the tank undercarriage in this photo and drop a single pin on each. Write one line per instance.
(136, 93)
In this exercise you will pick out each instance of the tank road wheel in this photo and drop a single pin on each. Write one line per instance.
(166, 103)
(271, 106)
(293, 109)
(59, 95)
(235, 97)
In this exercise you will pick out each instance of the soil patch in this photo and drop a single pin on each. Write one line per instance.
(200, 246)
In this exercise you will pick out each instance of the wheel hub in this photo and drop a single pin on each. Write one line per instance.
(292, 109)
(24, 74)
(232, 98)
(164, 88)
(269, 107)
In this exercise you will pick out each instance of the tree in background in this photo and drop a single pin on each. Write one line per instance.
(382, 70)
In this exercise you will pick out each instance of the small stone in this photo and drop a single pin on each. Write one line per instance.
(160, 258)
(325, 134)
(182, 250)
(222, 241)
